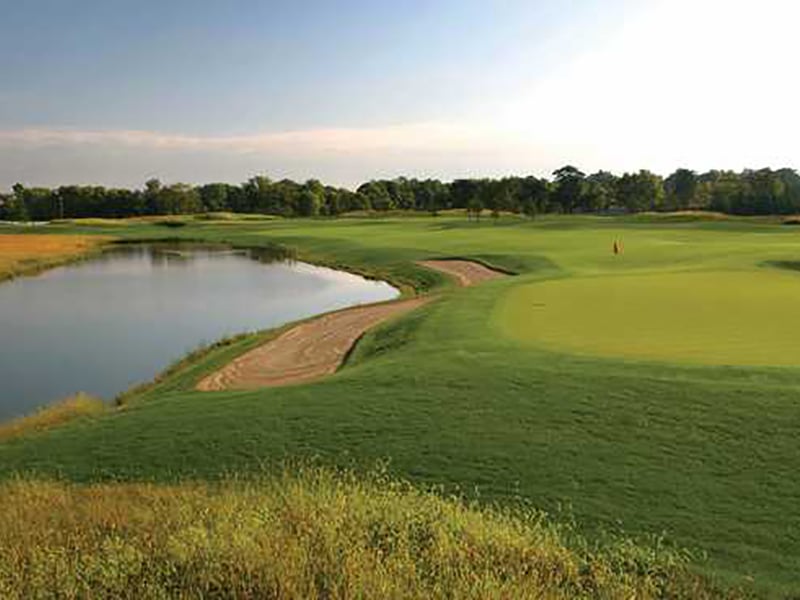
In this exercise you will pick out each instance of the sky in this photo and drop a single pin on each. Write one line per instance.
(115, 92)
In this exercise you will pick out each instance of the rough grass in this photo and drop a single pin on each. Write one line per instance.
(29, 253)
(53, 415)
(307, 535)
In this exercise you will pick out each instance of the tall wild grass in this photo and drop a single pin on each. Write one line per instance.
(52, 415)
(308, 534)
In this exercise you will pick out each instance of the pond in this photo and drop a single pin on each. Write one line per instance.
(118, 319)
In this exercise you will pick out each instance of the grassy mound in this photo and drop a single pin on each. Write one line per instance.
(306, 535)
(53, 415)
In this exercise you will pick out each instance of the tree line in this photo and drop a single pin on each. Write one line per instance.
(749, 192)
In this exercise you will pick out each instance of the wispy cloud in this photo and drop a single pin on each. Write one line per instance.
(417, 136)
(342, 156)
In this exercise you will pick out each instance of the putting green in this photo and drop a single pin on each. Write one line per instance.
(719, 318)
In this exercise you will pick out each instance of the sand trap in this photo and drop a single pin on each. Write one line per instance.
(306, 352)
(465, 271)
(317, 348)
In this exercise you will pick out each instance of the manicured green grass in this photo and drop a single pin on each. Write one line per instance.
(707, 455)
(724, 318)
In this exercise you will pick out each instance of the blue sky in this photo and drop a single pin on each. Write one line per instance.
(114, 92)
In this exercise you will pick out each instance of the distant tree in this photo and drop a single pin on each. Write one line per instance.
(285, 198)
(569, 188)
(311, 199)
(475, 204)
(237, 199)
(499, 196)
(214, 197)
(178, 199)
(5, 199)
(720, 191)
(152, 189)
(260, 196)
(16, 209)
(791, 189)
(490, 195)
(308, 204)
(36, 204)
(750, 192)
(122, 203)
(764, 193)
(533, 196)
(378, 197)
(462, 192)
(332, 202)
(401, 191)
(351, 201)
(653, 185)
(75, 202)
(680, 189)
(599, 191)
(431, 195)
(640, 191)
(510, 200)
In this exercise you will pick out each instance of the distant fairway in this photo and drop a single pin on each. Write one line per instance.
(716, 318)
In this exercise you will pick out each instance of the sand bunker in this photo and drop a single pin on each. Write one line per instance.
(466, 272)
(317, 347)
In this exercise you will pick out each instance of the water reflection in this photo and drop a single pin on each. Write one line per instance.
(177, 253)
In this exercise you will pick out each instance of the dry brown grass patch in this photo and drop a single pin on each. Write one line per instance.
(20, 253)
(79, 405)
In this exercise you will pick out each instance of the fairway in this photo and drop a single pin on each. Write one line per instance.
(714, 318)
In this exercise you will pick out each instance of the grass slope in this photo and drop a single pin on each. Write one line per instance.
(706, 454)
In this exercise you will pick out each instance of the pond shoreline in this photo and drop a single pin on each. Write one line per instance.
(408, 292)
(159, 304)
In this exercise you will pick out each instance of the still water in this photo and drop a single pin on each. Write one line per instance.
(105, 324)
